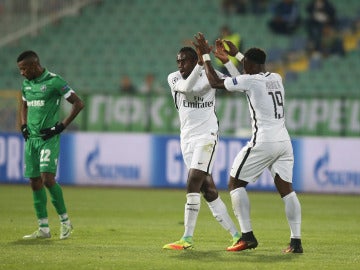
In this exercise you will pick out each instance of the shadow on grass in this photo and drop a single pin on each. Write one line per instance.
(244, 256)
(31, 242)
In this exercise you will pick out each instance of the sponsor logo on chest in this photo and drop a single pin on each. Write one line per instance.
(36, 103)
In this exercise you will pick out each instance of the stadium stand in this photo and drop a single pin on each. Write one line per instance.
(94, 48)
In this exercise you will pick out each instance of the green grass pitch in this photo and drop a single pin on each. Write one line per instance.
(120, 228)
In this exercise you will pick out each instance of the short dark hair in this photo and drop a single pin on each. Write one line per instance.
(190, 51)
(256, 55)
(28, 54)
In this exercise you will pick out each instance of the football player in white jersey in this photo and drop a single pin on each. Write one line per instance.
(270, 145)
(194, 99)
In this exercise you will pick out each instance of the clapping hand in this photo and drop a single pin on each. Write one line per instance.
(233, 50)
(220, 51)
(201, 45)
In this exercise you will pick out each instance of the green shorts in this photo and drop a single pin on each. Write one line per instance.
(41, 156)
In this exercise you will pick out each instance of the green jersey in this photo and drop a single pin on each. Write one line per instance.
(43, 96)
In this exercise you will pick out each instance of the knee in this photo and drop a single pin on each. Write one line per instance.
(210, 194)
(284, 188)
(48, 179)
(36, 183)
(236, 183)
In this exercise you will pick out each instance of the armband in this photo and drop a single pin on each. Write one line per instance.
(206, 57)
(239, 56)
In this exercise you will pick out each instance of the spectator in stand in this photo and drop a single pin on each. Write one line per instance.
(259, 7)
(286, 17)
(126, 86)
(150, 85)
(230, 7)
(331, 42)
(320, 13)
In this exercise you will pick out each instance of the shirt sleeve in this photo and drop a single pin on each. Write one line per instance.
(232, 69)
(239, 83)
(187, 85)
(62, 87)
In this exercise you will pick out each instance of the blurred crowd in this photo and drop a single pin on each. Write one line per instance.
(314, 28)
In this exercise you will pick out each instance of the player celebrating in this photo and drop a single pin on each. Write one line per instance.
(41, 94)
(195, 101)
(270, 144)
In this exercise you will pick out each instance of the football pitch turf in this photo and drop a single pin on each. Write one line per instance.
(122, 228)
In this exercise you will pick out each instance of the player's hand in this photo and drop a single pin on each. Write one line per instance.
(232, 48)
(220, 51)
(47, 133)
(25, 131)
(202, 46)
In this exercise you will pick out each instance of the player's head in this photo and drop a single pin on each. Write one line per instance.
(186, 60)
(29, 65)
(254, 61)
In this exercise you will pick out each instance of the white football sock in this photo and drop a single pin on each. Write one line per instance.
(44, 225)
(64, 218)
(192, 208)
(221, 214)
(241, 206)
(293, 214)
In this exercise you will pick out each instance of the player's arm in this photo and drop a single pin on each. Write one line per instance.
(23, 111)
(23, 119)
(188, 84)
(77, 106)
(223, 55)
(202, 48)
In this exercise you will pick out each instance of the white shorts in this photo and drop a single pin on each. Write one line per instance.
(251, 162)
(200, 154)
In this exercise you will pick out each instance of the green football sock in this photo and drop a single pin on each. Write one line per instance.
(57, 198)
(40, 199)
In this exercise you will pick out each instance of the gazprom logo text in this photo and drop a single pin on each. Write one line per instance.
(96, 169)
(324, 176)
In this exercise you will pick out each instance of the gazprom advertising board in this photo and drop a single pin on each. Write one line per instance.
(322, 165)
(330, 165)
(107, 159)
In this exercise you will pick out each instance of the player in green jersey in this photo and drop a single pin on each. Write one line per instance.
(41, 127)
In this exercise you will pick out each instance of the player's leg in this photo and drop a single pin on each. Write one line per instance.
(191, 211)
(199, 157)
(293, 214)
(282, 173)
(241, 207)
(58, 202)
(247, 167)
(192, 205)
(193, 202)
(38, 190)
(203, 162)
(218, 208)
(50, 153)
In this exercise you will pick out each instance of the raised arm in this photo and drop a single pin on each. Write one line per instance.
(223, 55)
(203, 49)
(187, 84)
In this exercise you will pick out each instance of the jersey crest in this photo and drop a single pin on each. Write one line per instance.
(174, 80)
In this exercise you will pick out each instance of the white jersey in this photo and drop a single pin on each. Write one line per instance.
(266, 100)
(195, 101)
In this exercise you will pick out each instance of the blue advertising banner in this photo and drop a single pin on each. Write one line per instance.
(322, 165)
(169, 169)
(11, 158)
